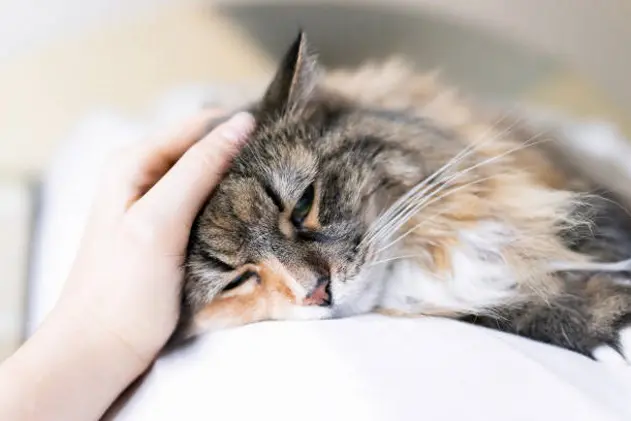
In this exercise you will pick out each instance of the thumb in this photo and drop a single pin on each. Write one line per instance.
(185, 187)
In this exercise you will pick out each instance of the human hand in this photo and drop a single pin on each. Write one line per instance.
(126, 280)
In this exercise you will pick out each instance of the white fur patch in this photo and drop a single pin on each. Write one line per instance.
(480, 277)
(619, 266)
(361, 294)
(295, 312)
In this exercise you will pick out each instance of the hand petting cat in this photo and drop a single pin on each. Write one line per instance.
(122, 299)
(128, 272)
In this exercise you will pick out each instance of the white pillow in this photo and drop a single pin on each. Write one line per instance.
(363, 368)
(377, 368)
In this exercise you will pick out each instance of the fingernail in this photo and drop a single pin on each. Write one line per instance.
(238, 127)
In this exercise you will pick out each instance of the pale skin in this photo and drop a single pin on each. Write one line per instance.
(120, 303)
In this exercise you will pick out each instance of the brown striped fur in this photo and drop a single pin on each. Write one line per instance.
(364, 138)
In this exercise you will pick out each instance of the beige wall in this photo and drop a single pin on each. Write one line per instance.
(45, 90)
(128, 57)
(593, 36)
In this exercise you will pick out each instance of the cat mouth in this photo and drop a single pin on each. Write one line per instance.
(321, 294)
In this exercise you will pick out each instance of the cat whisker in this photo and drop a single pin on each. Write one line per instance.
(405, 199)
(392, 259)
(401, 203)
(606, 199)
(410, 206)
(401, 219)
(425, 221)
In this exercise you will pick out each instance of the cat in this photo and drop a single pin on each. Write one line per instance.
(380, 190)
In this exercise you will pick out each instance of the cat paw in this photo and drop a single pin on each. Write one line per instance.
(625, 343)
(619, 355)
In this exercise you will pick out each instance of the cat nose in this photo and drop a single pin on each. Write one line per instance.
(320, 295)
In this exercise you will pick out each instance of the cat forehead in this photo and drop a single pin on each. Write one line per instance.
(286, 157)
(281, 165)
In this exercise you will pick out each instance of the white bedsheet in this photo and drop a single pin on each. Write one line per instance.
(364, 368)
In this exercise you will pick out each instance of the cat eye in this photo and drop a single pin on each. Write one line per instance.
(238, 281)
(303, 206)
(215, 263)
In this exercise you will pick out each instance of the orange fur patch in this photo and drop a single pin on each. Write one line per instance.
(285, 225)
(441, 256)
(312, 222)
(275, 279)
(261, 303)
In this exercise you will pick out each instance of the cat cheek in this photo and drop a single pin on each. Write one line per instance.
(232, 310)
(247, 288)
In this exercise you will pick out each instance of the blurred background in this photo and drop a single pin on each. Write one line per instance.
(67, 62)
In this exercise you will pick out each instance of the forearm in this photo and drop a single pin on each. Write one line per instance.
(68, 371)
(122, 299)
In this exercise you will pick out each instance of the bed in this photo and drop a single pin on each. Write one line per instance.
(363, 368)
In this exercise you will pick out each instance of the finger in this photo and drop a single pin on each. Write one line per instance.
(134, 170)
(179, 195)
(171, 146)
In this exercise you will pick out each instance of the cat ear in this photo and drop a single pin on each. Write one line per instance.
(294, 82)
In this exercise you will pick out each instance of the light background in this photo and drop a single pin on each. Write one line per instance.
(62, 59)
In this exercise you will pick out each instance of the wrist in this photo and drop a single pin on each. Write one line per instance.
(94, 339)
(66, 357)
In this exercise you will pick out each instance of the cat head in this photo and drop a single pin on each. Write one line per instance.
(283, 235)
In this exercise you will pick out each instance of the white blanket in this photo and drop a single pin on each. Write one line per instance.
(363, 368)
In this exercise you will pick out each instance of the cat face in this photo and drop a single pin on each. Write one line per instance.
(282, 236)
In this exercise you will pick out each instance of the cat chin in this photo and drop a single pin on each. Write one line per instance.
(203, 326)
(360, 295)
(296, 312)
